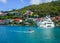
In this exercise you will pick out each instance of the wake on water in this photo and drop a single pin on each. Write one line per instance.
(23, 31)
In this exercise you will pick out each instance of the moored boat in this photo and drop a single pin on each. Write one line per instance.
(46, 22)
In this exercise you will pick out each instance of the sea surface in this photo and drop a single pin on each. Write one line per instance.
(20, 34)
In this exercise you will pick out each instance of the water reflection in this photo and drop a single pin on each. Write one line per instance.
(48, 34)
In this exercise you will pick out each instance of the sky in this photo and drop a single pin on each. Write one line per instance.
(17, 4)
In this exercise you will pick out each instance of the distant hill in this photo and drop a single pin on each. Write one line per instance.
(50, 8)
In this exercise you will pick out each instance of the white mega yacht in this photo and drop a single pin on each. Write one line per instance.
(45, 23)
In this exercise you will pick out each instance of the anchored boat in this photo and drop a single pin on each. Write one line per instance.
(45, 23)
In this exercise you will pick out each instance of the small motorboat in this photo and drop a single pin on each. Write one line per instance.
(29, 31)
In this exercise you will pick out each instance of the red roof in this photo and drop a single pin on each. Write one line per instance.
(18, 19)
(57, 17)
(1, 20)
(39, 18)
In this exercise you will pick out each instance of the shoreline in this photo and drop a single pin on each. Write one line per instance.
(25, 25)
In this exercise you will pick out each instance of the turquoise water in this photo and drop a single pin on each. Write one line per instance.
(16, 34)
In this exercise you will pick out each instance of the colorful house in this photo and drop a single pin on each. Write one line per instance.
(39, 19)
(6, 21)
(1, 21)
(58, 18)
(18, 20)
(2, 13)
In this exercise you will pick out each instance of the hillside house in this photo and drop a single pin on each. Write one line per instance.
(18, 20)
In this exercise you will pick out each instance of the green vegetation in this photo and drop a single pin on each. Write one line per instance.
(41, 10)
(51, 8)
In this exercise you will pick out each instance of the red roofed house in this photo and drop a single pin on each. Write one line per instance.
(57, 17)
(39, 19)
(18, 20)
(1, 21)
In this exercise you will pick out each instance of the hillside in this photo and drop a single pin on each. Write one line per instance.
(51, 8)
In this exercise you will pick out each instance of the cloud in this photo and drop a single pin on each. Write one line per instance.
(35, 2)
(47, 0)
(39, 1)
(3, 1)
